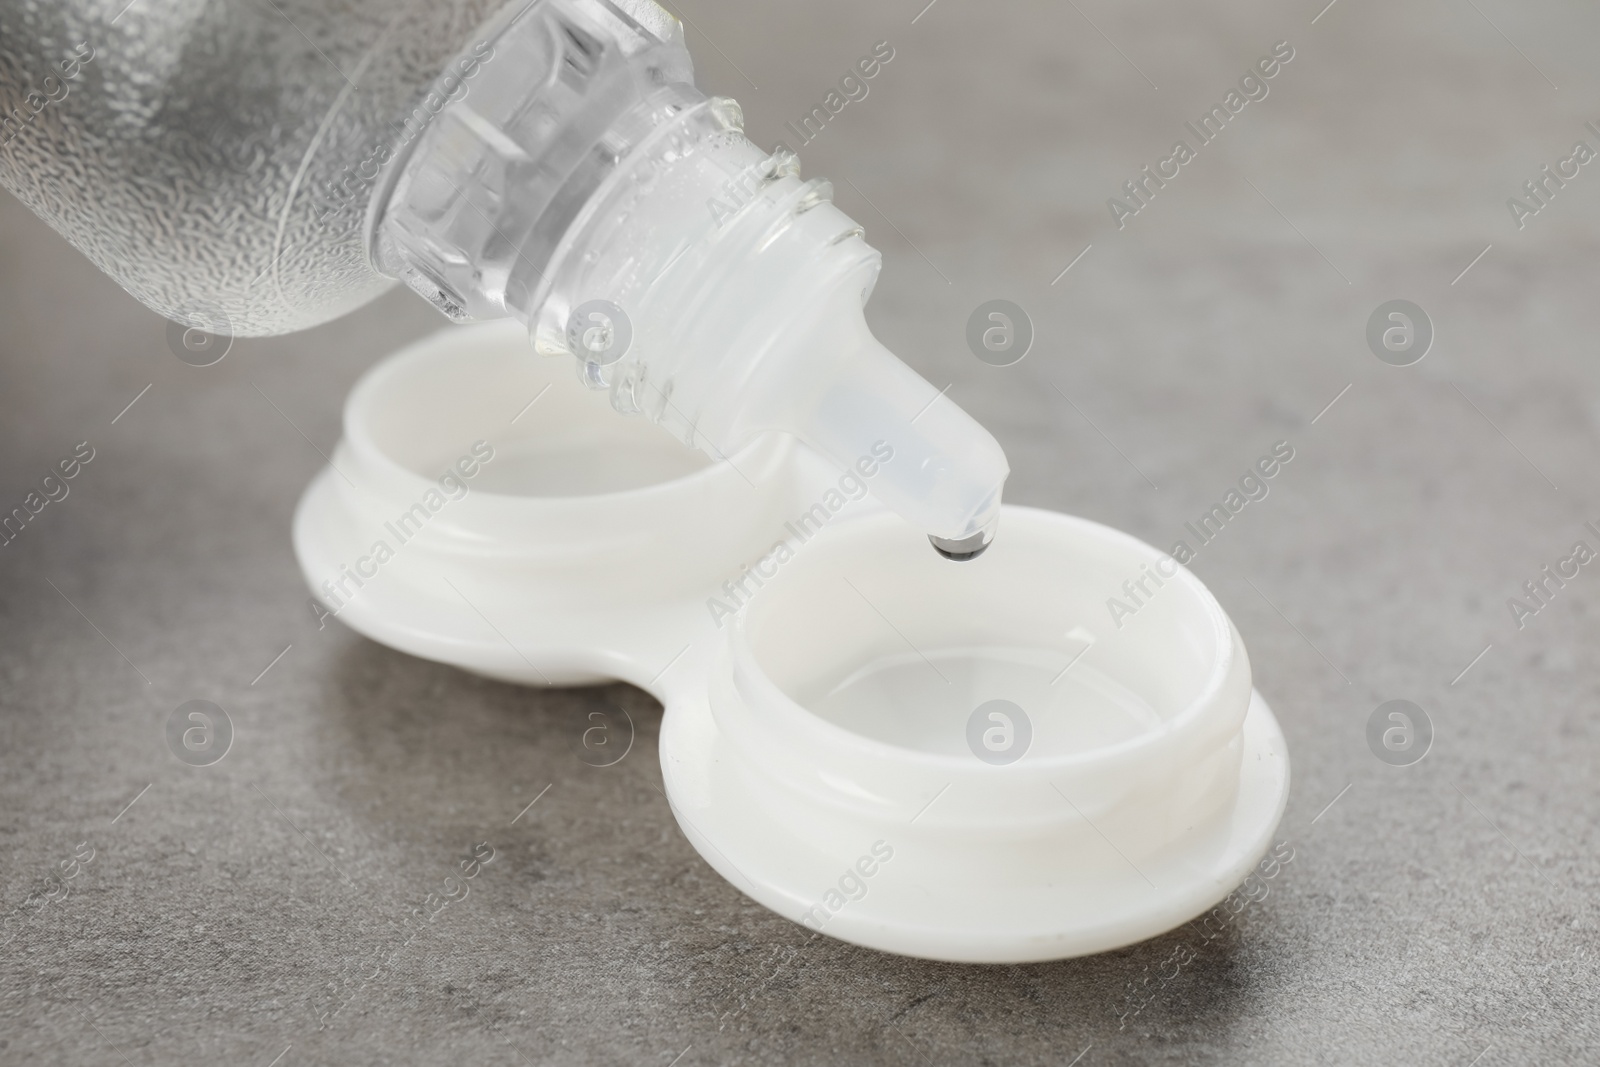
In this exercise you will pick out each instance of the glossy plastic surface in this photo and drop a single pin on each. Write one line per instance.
(820, 668)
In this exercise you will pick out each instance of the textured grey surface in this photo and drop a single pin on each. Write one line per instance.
(1433, 914)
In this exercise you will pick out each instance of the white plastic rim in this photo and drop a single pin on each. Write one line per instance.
(1100, 834)
(577, 554)
(829, 742)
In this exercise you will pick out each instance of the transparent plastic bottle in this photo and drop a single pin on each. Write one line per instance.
(247, 169)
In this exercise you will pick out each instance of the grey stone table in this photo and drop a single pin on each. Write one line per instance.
(1439, 913)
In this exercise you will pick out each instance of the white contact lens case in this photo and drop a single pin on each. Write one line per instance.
(828, 741)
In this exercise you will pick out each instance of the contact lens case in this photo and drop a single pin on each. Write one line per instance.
(957, 761)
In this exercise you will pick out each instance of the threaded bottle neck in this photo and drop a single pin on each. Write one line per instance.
(590, 191)
(487, 193)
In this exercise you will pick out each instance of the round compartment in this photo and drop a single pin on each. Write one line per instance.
(893, 644)
(877, 663)
(1052, 777)
(552, 437)
(486, 509)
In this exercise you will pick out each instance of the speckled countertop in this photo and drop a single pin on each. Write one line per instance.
(1431, 914)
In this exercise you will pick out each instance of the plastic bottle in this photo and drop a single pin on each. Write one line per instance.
(251, 169)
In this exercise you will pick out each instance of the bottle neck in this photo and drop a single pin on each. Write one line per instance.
(474, 213)
(586, 188)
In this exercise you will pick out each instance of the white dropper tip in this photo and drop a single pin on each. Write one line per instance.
(965, 548)
(866, 410)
